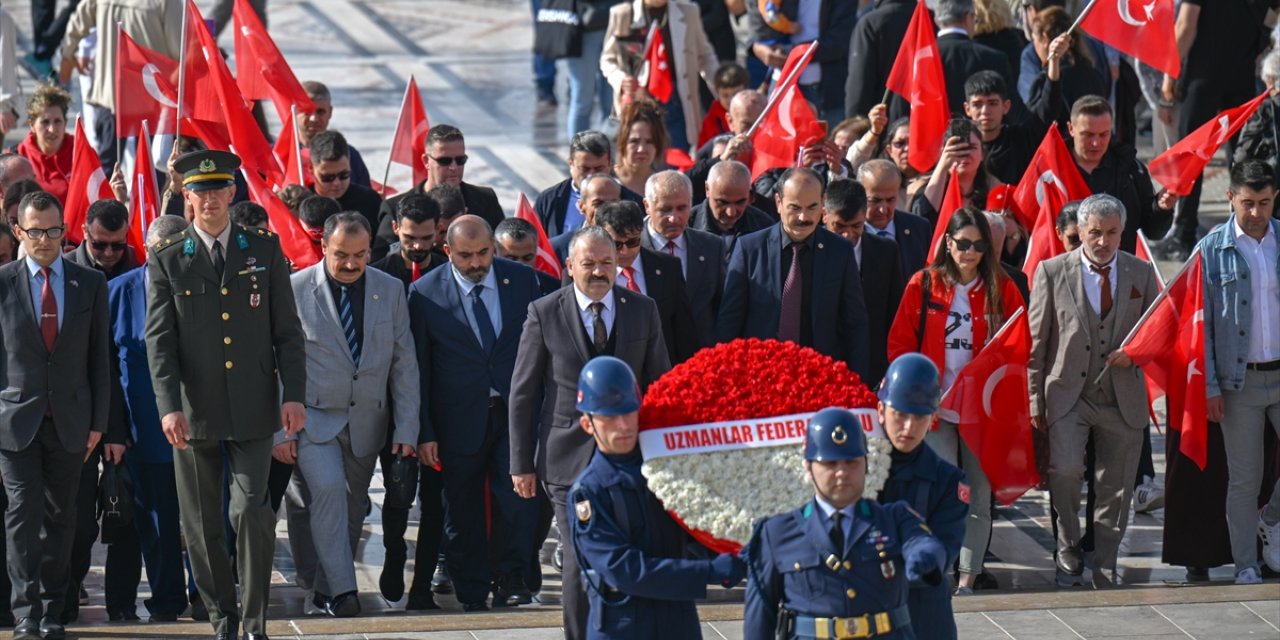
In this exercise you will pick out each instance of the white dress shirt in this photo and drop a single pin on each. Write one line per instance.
(1093, 283)
(637, 272)
(589, 317)
(1264, 328)
(660, 243)
(488, 295)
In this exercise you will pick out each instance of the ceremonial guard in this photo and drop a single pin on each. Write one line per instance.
(932, 486)
(640, 567)
(227, 359)
(839, 566)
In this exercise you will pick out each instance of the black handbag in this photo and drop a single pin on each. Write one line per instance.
(402, 482)
(115, 501)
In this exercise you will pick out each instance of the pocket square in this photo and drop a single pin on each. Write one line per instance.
(1134, 294)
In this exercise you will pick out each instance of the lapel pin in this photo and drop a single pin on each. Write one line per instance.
(702, 258)
(906, 232)
(250, 261)
(375, 296)
(74, 283)
(820, 245)
(657, 272)
(506, 281)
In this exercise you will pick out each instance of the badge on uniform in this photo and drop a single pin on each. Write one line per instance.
(189, 246)
(583, 510)
(242, 242)
(887, 570)
(962, 492)
(255, 299)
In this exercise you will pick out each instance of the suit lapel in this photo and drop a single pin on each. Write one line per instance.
(1075, 284)
(816, 526)
(453, 301)
(509, 307)
(326, 308)
(1124, 284)
(573, 321)
(858, 527)
(20, 282)
(773, 255)
(70, 299)
(677, 27)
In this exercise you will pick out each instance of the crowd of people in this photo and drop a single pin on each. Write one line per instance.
(232, 387)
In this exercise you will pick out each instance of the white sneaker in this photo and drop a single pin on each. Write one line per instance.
(1248, 576)
(1148, 497)
(1270, 534)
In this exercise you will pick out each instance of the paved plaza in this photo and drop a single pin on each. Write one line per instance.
(471, 60)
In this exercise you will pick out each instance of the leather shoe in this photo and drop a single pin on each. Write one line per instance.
(199, 612)
(1070, 561)
(440, 582)
(163, 617)
(27, 629)
(51, 629)
(344, 605)
(509, 591)
(122, 615)
(471, 607)
(420, 602)
(391, 582)
(320, 601)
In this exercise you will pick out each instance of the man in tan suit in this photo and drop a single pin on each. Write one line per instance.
(1083, 304)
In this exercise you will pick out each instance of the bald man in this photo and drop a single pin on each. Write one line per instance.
(668, 204)
(744, 109)
(882, 181)
(727, 211)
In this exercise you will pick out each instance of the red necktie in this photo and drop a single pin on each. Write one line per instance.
(792, 297)
(670, 248)
(417, 273)
(630, 274)
(1104, 302)
(48, 312)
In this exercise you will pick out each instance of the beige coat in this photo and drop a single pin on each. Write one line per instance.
(689, 50)
(154, 24)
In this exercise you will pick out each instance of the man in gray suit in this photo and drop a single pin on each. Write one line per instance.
(563, 331)
(55, 389)
(1083, 304)
(668, 203)
(360, 363)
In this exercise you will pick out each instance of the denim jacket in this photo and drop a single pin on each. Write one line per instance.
(1226, 312)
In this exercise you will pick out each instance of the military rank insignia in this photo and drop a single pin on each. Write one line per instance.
(887, 569)
(255, 299)
(583, 511)
(189, 246)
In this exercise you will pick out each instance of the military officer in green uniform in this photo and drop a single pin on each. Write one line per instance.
(224, 343)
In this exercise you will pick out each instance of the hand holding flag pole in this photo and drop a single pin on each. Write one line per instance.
(775, 96)
(1195, 255)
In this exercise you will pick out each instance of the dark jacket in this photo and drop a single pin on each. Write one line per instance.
(81, 257)
(480, 201)
(961, 58)
(882, 285)
(552, 202)
(752, 220)
(872, 50)
(1123, 175)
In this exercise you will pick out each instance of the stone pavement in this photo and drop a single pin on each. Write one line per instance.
(471, 61)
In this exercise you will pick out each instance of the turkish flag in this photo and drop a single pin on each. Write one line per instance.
(215, 89)
(1051, 169)
(917, 77)
(144, 198)
(1154, 391)
(1044, 242)
(409, 146)
(294, 240)
(289, 154)
(1168, 344)
(261, 72)
(546, 261)
(951, 201)
(144, 88)
(87, 185)
(788, 123)
(1140, 28)
(990, 396)
(1179, 167)
(659, 83)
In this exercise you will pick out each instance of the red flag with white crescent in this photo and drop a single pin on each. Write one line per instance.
(144, 197)
(917, 76)
(87, 185)
(261, 71)
(1140, 28)
(658, 83)
(145, 82)
(409, 145)
(1051, 168)
(546, 261)
(951, 200)
(788, 123)
(294, 241)
(1181, 165)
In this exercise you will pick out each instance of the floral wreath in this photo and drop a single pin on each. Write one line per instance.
(717, 496)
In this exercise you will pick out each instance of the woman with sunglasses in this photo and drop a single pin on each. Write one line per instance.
(641, 143)
(948, 312)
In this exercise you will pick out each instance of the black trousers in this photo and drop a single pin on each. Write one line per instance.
(124, 556)
(574, 596)
(40, 482)
(48, 25)
(430, 528)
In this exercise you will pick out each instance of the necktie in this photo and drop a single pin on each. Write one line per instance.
(478, 309)
(630, 274)
(882, 233)
(348, 320)
(1105, 274)
(599, 334)
(837, 533)
(219, 261)
(670, 248)
(789, 320)
(48, 311)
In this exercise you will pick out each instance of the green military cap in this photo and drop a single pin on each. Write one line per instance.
(205, 170)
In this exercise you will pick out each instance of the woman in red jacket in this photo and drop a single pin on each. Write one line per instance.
(969, 298)
(48, 147)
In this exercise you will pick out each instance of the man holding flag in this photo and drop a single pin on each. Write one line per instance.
(1242, 356)
(1083, 303)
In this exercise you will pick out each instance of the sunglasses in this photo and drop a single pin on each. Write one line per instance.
(115, 247)
(899, 144)
(627, 244)
(330, 177)
(1073, 241)
(964, 245)
(52, 233)
(447, 161)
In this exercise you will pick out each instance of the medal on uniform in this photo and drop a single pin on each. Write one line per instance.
(583, 511)
(887, 570)
(254, 300)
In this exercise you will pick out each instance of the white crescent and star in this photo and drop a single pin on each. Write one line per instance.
(1122, 7)
(152, 85)
(1049, 177)
(989, 388)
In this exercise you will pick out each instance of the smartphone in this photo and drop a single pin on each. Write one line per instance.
(822, 125)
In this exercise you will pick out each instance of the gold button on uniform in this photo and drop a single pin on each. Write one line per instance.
(187, 292)
(226, 316)
(226, 340)
(229, 365)
(851, 594)
(224, 291)
(797, 566)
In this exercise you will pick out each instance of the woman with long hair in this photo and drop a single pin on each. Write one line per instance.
(962, 150)
(948, 312)
(642, 144)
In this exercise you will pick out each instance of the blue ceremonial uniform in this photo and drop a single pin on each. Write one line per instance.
(793, 565)
(937, 491)
(640, 582)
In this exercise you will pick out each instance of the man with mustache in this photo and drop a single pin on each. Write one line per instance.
(795, 281)
(562, 332)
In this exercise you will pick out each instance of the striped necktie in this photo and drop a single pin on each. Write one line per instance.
(348, 320)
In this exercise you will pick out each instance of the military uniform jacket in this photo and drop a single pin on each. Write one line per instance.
(639, 582)
(792, 564)
(215, 345)
(937, 491)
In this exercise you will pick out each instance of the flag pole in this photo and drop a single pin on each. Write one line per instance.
(1195, 255)
(773, 99)
(115, 73)
(1146, 246)
(182, 74)
(297, 153)
(382, 192)
(999, 332)
(1083, 12)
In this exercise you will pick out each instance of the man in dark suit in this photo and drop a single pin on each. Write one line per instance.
(668, 203)
(562, 332)
(516, 239)
(446, 159)
(872, 51)
(653, 274)
(53, 408)
(962, 57)
(597, 189)
(727, 211)
(795, 281)
(467, 319)
(150, 459)
(590, 153)
(879, 267)
(882, 181)
(225, 346)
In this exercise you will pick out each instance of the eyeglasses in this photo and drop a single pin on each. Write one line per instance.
(899, 144)
(963, 244)
(447, 161)
(627, 244)
(52, 233)
(330, 177)
(114, 247)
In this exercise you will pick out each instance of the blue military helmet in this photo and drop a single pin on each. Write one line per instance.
(834, 435)
(912, 385)
(607, 387)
